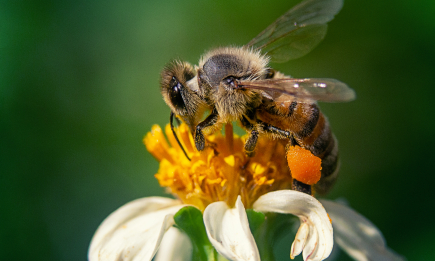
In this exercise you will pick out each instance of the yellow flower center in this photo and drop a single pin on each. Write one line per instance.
(222, 171)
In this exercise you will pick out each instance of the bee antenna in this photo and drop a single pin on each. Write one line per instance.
(171, 120)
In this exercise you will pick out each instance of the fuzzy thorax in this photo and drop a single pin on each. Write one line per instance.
(216, 71)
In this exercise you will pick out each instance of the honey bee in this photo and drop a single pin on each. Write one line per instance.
(236, 84)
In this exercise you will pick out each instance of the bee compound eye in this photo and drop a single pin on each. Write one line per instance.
(175, 95)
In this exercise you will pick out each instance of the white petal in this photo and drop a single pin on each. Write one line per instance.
(319, 242)
(357, 235)
(300, 239)
(228, 231)
(134, 231)
(175, 246)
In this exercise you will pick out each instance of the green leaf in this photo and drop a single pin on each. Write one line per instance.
(189, 219)
(255, 219)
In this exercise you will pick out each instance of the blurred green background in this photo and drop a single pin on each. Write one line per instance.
(79, 90)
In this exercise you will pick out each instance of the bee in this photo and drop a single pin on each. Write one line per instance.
(236, 84)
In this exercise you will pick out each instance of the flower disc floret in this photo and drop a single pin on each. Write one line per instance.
(222, 171)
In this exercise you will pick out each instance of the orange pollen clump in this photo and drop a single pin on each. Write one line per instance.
(304, 166)
(222, 171)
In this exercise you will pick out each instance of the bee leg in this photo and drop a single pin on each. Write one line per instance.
(283, 133)
(301, 187)
(297, 185)
(275, 130)
(199, 136)
(251, 142)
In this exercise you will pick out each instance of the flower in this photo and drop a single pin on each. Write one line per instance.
(221, 182)
(221, 172)
(355, 234)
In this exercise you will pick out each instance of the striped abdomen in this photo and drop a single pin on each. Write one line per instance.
(310, 129)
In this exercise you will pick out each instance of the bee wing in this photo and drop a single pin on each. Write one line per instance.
(318, 89)
(298, 31)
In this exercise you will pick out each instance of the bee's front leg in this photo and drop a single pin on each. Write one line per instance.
(199, 136)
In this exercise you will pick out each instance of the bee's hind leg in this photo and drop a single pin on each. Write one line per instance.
(278, 131)
(301, 187)
(296, 185)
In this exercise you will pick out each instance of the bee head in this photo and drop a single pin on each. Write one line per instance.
(182, 100)
(173, 85)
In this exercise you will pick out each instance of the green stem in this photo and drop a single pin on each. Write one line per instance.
(268, 230)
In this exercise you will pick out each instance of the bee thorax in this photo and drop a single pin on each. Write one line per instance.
(231, 106)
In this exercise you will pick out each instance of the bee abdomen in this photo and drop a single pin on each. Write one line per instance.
(315, 134)
(330, 167)
(313, 113)
(325, 147)
(310, 129)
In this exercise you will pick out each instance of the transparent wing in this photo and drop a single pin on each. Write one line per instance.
(319, 89)
(298, 31)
